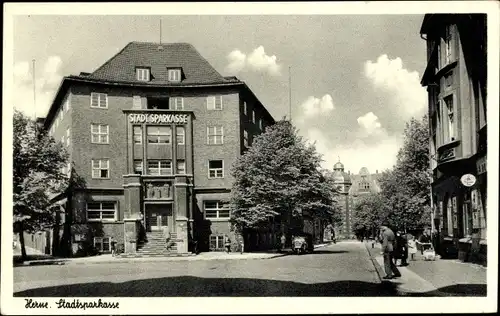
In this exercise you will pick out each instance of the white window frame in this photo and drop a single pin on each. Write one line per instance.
(168, 172)
(99, 97)
(245, 109)
(181, 163)
(217, 209)
(448, 43)
(260, 124)
(219, 241)
(176, 103)
(253, 116)
(100, 166)
(134, 134)
(213, 132)
(180, 136)
(158, 134)
(68, 137)
(142, 74)
(100, 210)
(141, 165)
(101, 242)
(212, 104)
(174, 75)
(218, 172)
(98, 130)
(450, 117)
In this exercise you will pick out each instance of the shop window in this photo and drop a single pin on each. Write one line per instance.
(100, 168)
(102, 244)
(99, 100)
(215, 135)
(101, 211)
(137, 134)
(216, 209)
(214, 103)
(159, 135)
(159, 167)
(217, 242)
(99, 133)
(215, 169)
(180, 135)
(467, 219)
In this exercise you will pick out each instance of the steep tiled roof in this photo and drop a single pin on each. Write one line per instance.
(159, 57)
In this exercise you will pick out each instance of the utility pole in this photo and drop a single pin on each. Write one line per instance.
(290, 92)
(34, 91)
(160, 30)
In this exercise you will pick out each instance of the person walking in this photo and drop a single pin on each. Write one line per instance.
(227, 244)
(424, 241)
(388, 240)
(282, 242)
(403, 248)
(412, 248)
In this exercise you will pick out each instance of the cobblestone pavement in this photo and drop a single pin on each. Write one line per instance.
(343, 269)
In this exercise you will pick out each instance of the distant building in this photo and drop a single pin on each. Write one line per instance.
(455, 78)
(152, 134)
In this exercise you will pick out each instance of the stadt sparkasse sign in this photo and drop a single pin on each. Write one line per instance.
(159, 118)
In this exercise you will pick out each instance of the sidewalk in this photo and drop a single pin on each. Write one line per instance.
(107, 258)
(435, 278)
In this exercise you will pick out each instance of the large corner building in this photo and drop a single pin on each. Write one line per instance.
(455, 78)
(152, 135)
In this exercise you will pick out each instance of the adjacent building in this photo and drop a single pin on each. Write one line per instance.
(455, 78)
(152, 134)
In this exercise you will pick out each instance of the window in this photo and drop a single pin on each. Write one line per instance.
(449, 218)
(216, 242)
(181, 167)
(142, 74)
(138, 167)
(174, 75)
(215, 135)
(159, 135)
(99, 100)
(68, 140)
(214, 103)
(61, 114)
(260, 124)
(180, 135)
(176, 103)
(102, 244)
(100, 168)
(253, 116)
(448, 45)
(467, 218)
(99, 133)
(161, 103)
(215, 209)
(137, 134)
(245, 139)
(159, 167)
(215, 169)
(67, 103)
(245, 108)
(101, 211)
(451, 120)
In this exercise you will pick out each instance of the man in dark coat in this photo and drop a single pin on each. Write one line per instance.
(388, 243)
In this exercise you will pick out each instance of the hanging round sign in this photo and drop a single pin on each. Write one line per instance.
(468, 180)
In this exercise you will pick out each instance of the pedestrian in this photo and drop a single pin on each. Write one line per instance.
(412, 248)
(403, 248)
(113, 247)
(242, 244)
(388, 241)
(227, 243)
(282, 242)
(424, 241)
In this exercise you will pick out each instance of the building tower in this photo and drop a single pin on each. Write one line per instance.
(343, 183)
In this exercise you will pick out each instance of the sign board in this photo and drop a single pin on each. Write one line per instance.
(468, 180)
(159, 118)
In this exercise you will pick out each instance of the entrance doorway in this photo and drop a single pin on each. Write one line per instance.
(158, 217)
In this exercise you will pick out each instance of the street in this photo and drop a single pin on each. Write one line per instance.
(342, 269)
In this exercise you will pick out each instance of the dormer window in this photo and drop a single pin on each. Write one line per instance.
(174, 75)
(142, 74)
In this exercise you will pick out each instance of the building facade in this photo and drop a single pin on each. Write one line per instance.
(343, 184)
(152, 135)
(455, 78)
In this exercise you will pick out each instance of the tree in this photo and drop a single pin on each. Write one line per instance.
(279, 176)
(37, 176)
(368, 213)
(406, 186)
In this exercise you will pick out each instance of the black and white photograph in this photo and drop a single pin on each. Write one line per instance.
(223, 157)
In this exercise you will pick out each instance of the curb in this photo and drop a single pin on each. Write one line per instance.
(377, 267)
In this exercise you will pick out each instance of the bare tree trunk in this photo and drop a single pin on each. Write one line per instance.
(24, 257)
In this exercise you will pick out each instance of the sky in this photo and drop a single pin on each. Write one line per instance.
(355, 79)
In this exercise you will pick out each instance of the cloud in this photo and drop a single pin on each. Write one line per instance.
(257, 61)
(313, 106)
(48, 78)
(379, 155)
(403, 86)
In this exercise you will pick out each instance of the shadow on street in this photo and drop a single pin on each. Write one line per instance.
(196, 286)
